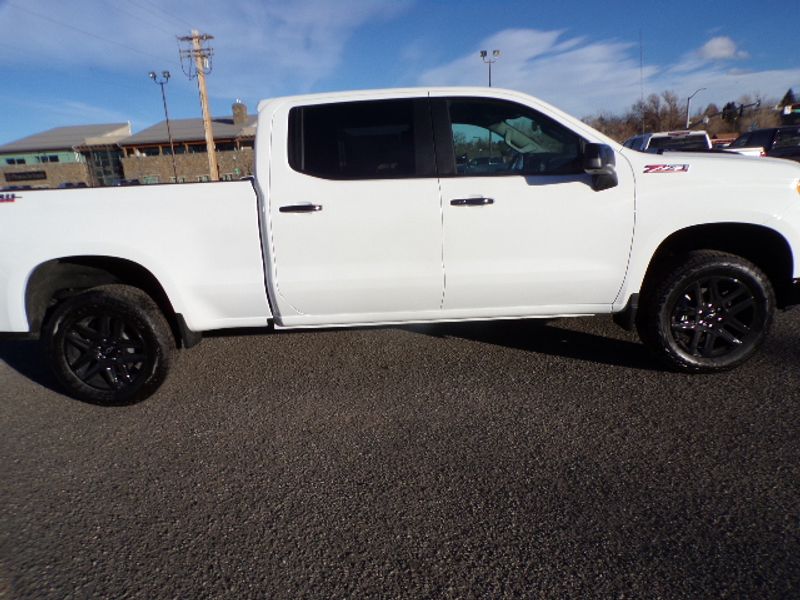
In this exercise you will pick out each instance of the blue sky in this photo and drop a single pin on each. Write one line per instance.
(86, 61)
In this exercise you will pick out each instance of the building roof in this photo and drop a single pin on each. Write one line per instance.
(191, 130)
(67, 138)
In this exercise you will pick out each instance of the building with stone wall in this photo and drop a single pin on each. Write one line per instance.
(148, 155)
(83, 155)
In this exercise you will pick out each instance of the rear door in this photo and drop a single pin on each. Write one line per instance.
(355, 213)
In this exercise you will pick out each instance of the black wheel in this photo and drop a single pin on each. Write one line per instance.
(109, 345)
(708, 314)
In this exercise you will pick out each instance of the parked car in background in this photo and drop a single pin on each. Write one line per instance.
(670, 140)
(777, 142)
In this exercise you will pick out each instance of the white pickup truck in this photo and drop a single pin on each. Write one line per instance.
(402, 206)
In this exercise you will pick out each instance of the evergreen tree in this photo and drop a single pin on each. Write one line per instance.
(788, 98)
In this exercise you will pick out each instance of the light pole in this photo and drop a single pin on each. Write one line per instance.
(490, 61)
(688, 104)
(165, 78)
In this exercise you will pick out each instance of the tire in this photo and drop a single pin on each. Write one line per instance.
(109, 345)
(709, 313)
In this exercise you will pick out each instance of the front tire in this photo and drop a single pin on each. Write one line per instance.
(710, 313)
(109, 345)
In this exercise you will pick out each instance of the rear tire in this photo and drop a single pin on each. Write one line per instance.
(109, 345)
(709, 313)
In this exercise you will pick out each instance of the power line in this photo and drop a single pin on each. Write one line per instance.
(162, 11)
(139, 18)
(84, 32)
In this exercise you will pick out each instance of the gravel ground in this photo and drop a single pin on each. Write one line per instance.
(513, 459)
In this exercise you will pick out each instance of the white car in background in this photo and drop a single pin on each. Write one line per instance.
(670, 140)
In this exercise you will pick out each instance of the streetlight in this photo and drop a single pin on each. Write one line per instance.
(490, 61)
(688, 103)
(165, 78)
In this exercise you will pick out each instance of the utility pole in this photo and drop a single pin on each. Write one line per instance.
(201, 56)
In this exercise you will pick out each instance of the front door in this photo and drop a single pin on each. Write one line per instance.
(524, 231)
(355, 212)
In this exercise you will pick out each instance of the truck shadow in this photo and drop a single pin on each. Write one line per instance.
(547, 337)
(25, 357)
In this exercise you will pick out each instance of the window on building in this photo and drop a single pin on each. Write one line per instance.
(150, 179)
(15, 161)
(226, 147)
(166, 150)
(203, 178)
(152, 151)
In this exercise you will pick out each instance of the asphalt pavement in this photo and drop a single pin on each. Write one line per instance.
(494, 460)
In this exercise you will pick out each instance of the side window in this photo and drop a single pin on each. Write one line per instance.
(361, 140)
(787, 138)
(741, 142)
(496, 137)
(761, 138)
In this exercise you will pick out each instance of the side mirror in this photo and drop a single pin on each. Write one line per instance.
(599, 161)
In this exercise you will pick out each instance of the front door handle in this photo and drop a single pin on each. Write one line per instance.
(300, 208)
(471, 201)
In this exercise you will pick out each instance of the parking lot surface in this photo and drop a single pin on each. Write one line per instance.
(511, 459)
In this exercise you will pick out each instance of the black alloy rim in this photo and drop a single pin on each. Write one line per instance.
(716, 316)
(106, 352)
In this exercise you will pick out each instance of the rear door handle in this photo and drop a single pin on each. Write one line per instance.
(471, 201)
(300, 208)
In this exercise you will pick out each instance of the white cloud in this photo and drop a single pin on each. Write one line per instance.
(716, 50)
(587, 77)
(257, 45)
(81, 112)
(720, 48)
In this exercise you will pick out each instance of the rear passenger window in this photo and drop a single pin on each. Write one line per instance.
(742, 141)
(787, 138)
(761, 138)
(381, 139)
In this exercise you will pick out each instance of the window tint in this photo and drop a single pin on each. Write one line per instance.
(360, 140)
(495, 137)
(742, 141)
(686, 142)
(787, 138)
(761, 138)
(632, 142)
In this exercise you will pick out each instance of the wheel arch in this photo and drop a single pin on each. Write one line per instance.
(61, 278)
(763, 246)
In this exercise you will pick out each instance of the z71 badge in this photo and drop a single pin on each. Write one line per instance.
(666, 168)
